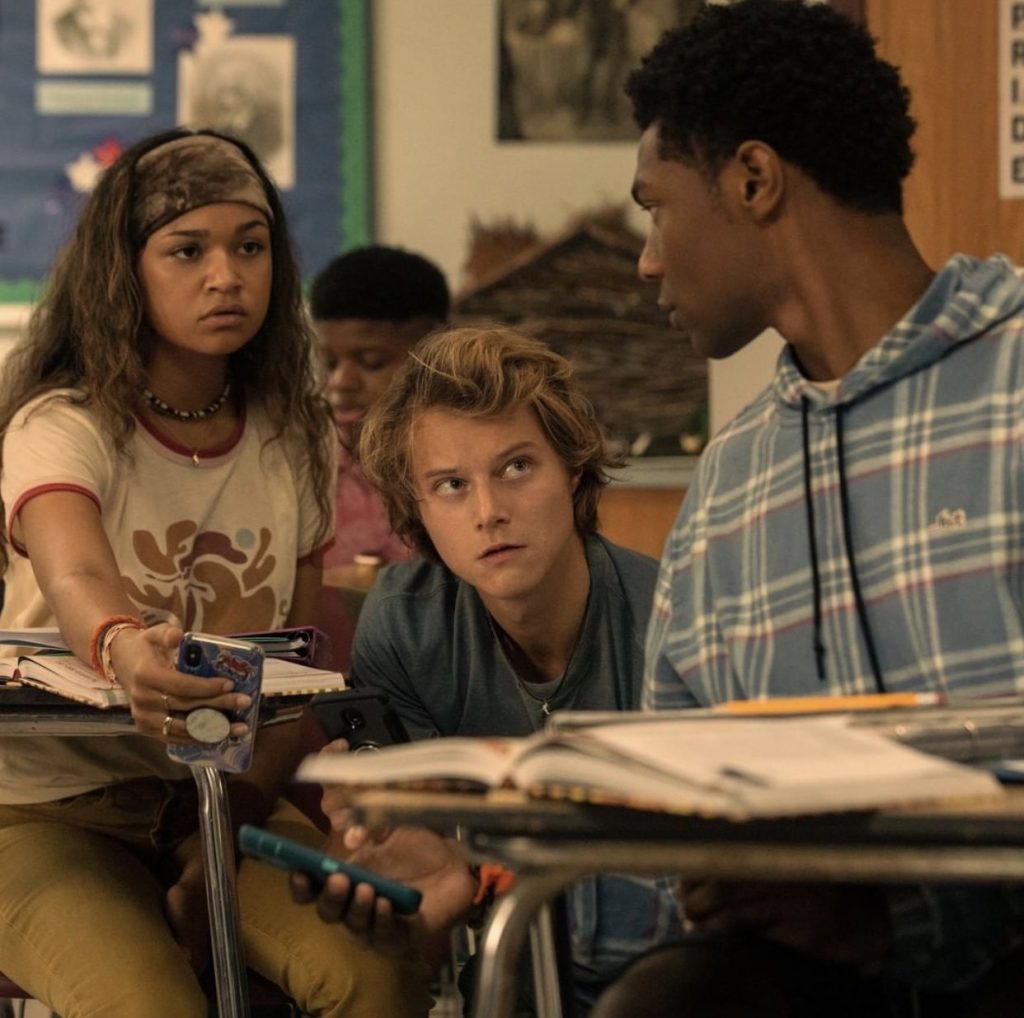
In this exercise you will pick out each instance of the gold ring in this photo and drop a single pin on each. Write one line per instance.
(165, 728)
(167, 704)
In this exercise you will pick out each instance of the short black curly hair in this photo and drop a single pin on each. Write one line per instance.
(804, 79)
(381, 284)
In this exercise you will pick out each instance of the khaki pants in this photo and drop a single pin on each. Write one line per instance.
(82, 926)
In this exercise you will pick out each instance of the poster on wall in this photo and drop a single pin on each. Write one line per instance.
(244, 86)
(563, 64)
(1011, 100)
(82, 80)
(115, 37)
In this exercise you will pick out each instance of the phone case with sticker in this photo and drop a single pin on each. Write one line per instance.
(212, 656)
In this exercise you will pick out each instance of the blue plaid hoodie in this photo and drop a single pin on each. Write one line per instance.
(869, 537)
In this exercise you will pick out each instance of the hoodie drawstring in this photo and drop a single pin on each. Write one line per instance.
(819, 647)
(844, 505)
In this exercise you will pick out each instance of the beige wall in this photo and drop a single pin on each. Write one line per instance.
(438, 164)
(437, 161)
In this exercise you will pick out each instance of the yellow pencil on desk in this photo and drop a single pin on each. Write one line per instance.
(828, 704)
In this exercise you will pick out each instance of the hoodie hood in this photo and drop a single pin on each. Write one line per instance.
(966, 298)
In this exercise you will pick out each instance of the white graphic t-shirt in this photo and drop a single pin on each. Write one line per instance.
(211, 541)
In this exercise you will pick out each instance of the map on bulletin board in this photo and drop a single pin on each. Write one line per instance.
(81, 80)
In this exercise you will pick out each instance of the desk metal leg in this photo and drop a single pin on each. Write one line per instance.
(547, 986)
(503, 939)
(221, 900)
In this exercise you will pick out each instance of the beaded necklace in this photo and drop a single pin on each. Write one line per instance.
(160, 407)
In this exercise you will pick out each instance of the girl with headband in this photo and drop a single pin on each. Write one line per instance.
(166, 464)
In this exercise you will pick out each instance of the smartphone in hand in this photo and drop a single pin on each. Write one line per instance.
(211, 656)
(362, 716)
(291, 855)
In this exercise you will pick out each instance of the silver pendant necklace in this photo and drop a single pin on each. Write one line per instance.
(512, 652)
(545, 705)
(531, 700)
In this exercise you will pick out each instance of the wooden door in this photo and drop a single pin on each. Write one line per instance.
(947, 51)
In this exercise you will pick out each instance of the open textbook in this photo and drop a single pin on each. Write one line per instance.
(979, 730)
(54, 669)
(723, 766)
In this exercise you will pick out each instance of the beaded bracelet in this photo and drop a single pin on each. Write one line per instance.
(102, 635)
(107, 642)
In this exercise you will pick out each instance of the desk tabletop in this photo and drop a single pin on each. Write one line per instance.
(508, 812)
(562, 841)
(566, 840)
(26, 710)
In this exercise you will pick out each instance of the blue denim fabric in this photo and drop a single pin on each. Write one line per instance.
(614, 918)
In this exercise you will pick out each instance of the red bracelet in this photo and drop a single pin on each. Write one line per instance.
(96, 643)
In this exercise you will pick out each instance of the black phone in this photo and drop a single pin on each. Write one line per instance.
(362, 716)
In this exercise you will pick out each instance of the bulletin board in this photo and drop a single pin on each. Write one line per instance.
(81, 80)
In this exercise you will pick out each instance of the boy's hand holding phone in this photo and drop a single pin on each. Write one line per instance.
(417, 857)
(320, 867)
(364, 718)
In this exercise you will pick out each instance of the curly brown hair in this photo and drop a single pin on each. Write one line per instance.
(482, 372)
(87, 332)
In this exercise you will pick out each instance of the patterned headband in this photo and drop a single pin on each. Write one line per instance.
(186, 173)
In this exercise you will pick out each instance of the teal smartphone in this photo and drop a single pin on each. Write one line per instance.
(290, 855)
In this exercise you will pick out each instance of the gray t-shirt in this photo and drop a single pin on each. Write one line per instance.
(426, 639)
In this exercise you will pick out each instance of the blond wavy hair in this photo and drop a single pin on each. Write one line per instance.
(482, 372)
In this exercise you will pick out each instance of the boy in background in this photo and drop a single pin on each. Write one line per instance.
(369, 306)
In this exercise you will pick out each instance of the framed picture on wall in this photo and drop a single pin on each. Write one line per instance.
(562, 64)
(82, 80)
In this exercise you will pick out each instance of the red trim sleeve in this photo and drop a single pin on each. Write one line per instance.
(27, 496)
